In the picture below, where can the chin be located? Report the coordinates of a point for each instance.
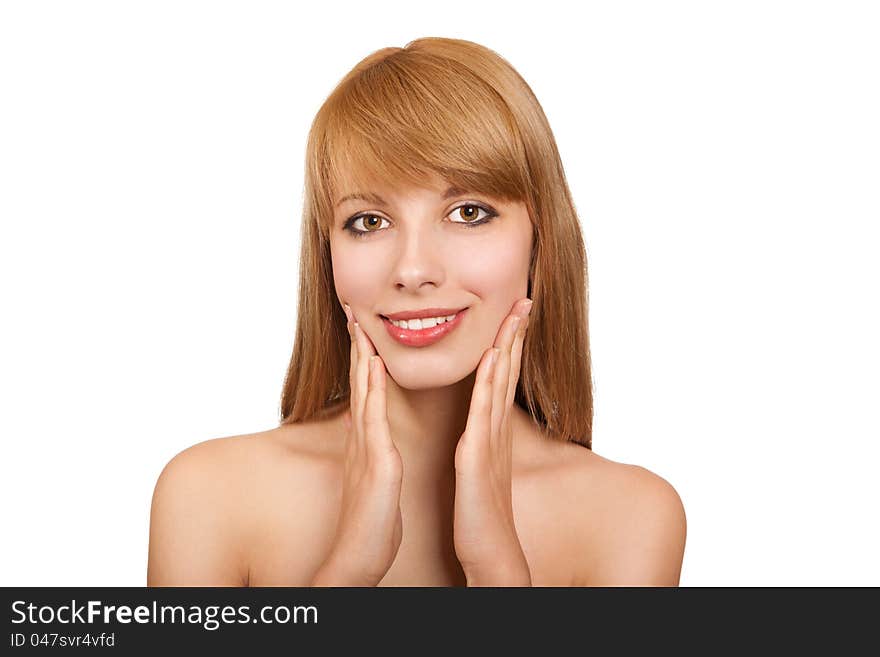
(417, 378)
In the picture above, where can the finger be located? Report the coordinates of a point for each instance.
(361, 374)
(352, 364)
(479, 420)
(353, 440)
(502, 374)
(516, 358)
(365, 350)
(375, 411)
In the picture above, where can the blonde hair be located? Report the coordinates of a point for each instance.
(457, 109)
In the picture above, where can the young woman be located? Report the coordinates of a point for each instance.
(436, 418)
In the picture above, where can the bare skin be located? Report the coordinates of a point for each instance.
(261, 510)
(501, 504)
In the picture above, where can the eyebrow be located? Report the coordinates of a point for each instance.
(378, 200)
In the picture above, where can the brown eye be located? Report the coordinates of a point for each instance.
(371, 221)
(372, 224)
(470, 212)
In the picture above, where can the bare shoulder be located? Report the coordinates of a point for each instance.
(212, 502)
(629, 523)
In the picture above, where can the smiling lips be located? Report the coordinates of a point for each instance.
(422, 337)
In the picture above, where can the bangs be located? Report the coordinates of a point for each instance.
(410, 117)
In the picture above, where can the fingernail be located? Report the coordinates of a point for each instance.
(347, 309)
(528, 306)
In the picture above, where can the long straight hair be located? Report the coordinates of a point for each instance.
(457, 109)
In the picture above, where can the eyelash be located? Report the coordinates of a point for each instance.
(473, 224)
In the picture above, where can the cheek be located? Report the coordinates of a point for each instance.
(486, 272)
(496, 270)
(357, 279)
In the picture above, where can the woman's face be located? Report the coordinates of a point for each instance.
(418, 251)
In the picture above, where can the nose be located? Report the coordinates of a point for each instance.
(419, 259)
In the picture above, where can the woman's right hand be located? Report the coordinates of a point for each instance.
(370, 525)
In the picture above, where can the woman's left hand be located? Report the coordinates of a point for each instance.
(486, 542)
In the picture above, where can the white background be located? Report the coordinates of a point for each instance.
(724, 159)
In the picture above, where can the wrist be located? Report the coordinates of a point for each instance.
(500, 574)
(332, 574)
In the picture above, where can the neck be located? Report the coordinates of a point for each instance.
(426, 425)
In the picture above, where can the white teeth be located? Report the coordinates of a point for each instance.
(418, 324)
